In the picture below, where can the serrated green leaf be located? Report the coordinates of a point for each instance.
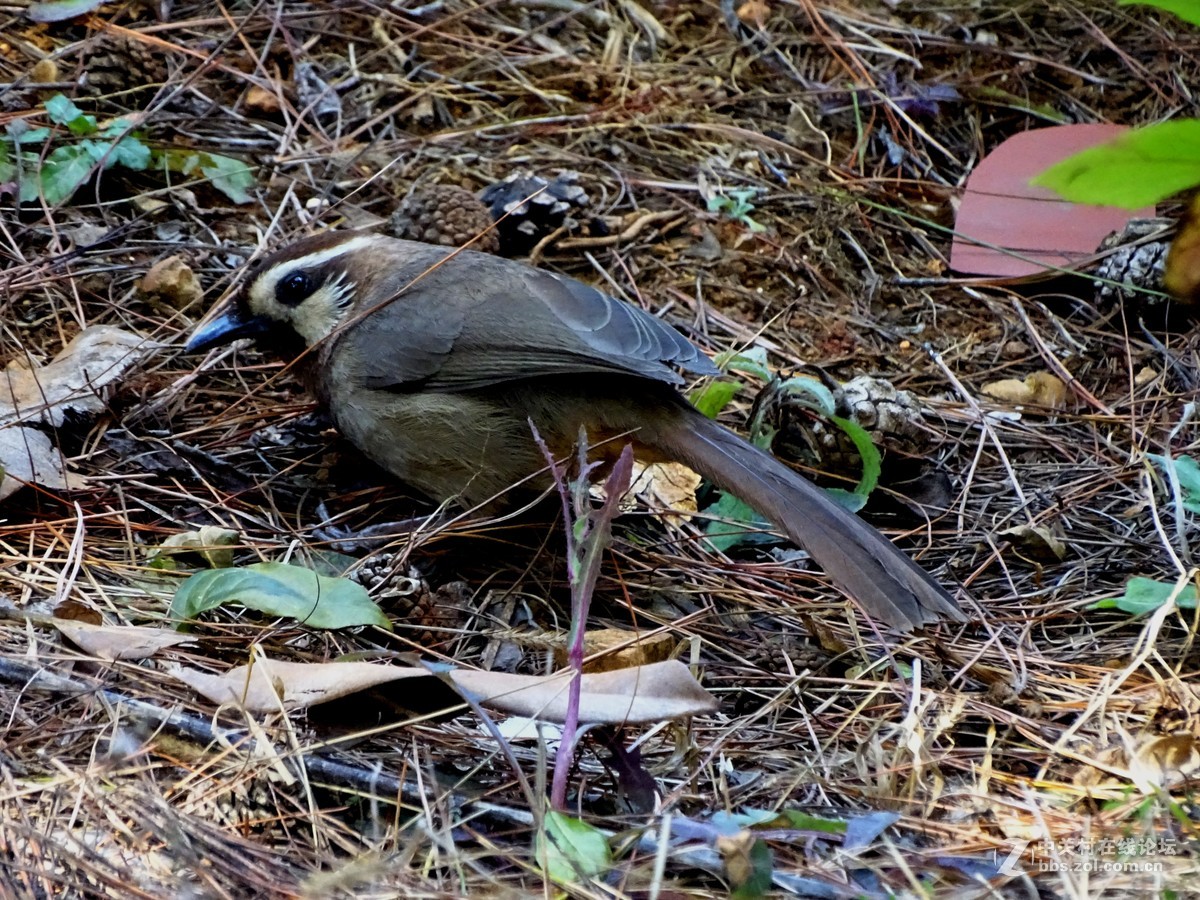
(30, 136)
(61, 174)
(714, 397)
(871, 460)
(99, 151)
(1137, 169)
(116, 128)
(812, 393)
(573, 849)
(231, 177)
(131, 153)
(279, 589)
(1145, 595)
(63, 112)
(1188, 10)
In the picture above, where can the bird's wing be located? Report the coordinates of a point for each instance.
(478, 321)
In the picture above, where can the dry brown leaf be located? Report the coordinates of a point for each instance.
(616, 649)
(78, 611)
(651, 693)
(268, 684)
(262, 100)
(29, 457)
(172, 281)
(1039, 389)
(670, 485)
(119, 641)
(754, 12)
(1038, 540)
(211, 543)
(1181, 275)
(1163, 762)
(1144, 376)
(71, 383)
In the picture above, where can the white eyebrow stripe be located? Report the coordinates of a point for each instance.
(312, 260)
(323, 256)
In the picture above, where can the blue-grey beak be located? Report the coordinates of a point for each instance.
(226, 328)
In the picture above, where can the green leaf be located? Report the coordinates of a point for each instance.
(757, 880)
(231, 177)
(62, 172)
(63, 112)
(1188, 10)
(871, 460)
(1139, 168)
(739, 526)
(806, 822)
(714, 397)
(752, 361)
(332, 563)
(1187, 471)
(99, 151)
(131, 153)
(573, 849)
(29, 136)
(1144, 595)
(278, 589)
(852, 501)
(812, 392)
(116, 128)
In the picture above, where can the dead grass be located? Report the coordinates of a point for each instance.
(1043, 727)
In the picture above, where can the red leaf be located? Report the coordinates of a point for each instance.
(1007, 227)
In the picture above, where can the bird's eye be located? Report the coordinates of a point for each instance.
(294, 288)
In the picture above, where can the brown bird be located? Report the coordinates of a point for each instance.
(433, 362)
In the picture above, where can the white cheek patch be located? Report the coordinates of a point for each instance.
(318, 315)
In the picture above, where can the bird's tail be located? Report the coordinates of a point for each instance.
(860, 560)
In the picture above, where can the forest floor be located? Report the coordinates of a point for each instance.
(772, 175)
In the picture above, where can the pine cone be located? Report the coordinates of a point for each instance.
(532, 207)
(120, 63)
(1136, 263)
(786, 652)
(444, 214)
(892, 417)
(427, 617)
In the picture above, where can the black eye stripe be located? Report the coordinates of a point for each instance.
(295, 287)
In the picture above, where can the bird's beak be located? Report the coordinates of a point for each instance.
(225, 328)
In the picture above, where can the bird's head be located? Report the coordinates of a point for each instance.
(295, 297)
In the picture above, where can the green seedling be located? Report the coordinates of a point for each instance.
(78, 146)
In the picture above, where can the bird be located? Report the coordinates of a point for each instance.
(435, 362)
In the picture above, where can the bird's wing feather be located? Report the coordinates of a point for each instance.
(507, 322)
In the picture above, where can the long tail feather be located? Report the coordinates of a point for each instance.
(860, 560)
